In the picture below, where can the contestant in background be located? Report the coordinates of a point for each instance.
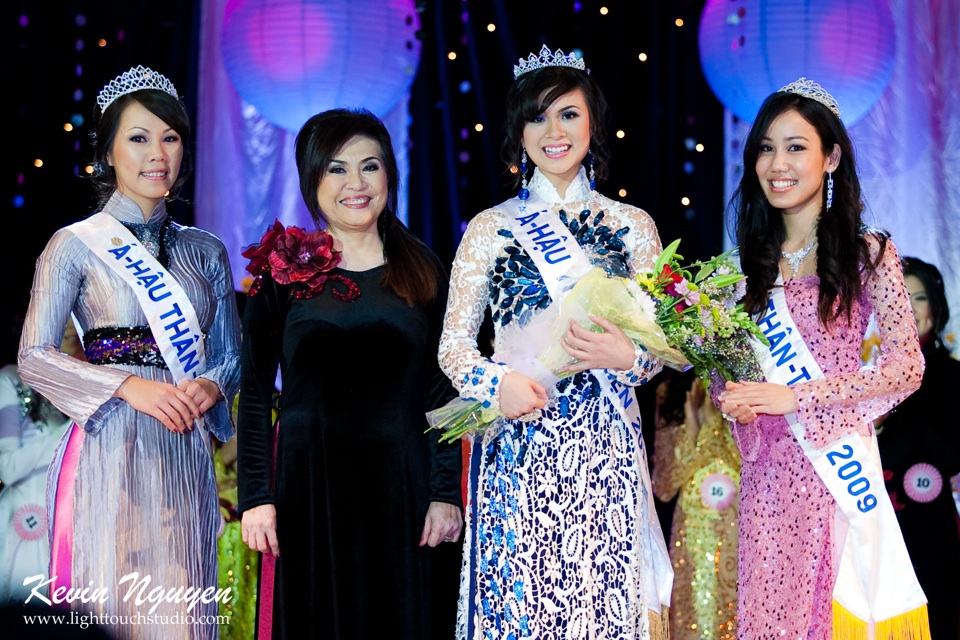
(30, 428)
(695, 456)
(920, 448)
(132, 485)
(811, 262)
(358, 494)
(563, 540)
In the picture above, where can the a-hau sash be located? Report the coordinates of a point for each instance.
(561, 261)
(876, 584)
(170, 314)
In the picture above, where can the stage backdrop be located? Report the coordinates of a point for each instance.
(266, 66)
(905, 123)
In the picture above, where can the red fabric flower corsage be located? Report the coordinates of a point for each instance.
(299, 259)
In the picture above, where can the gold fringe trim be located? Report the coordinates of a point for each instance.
(660, 624)
(847, 626)
(912, 625)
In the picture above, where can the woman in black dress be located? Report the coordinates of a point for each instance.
(920, 450)
(352, 315)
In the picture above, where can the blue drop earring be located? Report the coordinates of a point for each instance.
(829, 189)
(593, 173)
(524, 191)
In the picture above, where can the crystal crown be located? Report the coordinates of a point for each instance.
(135, 79)
(812, 90)
(547, 59)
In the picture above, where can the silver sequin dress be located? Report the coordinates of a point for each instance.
(144, 499)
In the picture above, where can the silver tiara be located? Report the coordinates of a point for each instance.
(547, 59)
(136, 79)
(812, 90)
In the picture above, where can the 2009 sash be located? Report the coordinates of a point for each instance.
(561, 261)
(875, 578)
(170, 314)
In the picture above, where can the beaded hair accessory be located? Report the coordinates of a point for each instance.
(812, 90)
(135, 79)
(547, 59)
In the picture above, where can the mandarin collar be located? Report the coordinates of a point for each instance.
(578, 191)
(127, 211)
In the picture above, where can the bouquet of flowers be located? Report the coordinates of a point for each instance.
(700, 314)
(686, 321)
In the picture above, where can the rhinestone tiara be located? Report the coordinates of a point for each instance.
(812, 90)
(547, 59)
(135, 79)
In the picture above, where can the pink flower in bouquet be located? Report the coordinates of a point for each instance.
(681, 291)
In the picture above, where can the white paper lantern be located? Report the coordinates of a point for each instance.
(751, 48)
(292, 59)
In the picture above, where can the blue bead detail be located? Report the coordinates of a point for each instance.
(518, 592)
(516, 286)
(524, 194)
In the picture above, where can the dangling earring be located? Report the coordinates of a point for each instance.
(524, 192)
(593, 173)
(829, 189)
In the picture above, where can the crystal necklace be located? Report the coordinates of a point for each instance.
(794, 259)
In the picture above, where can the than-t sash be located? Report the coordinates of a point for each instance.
(170, 314)
(875, 578)
(561, 262)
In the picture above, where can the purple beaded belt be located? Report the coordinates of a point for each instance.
(122, 345)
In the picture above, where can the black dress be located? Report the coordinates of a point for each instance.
(925, 430)
(355, 472)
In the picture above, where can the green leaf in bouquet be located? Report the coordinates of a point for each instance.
(705, 270)
(666, 256)
(727, 280)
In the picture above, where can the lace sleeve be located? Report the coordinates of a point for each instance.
(474, 377)
(898, 372)
(643, 243)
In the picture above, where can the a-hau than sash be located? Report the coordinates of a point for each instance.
(561, 261)
(877, 593)
(170, 314)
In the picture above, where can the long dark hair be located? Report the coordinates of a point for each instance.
(159, 103)
(411, 268)
(533, 92)
(932, 282)
(843, 253)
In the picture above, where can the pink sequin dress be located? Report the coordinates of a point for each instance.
(787, 567)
